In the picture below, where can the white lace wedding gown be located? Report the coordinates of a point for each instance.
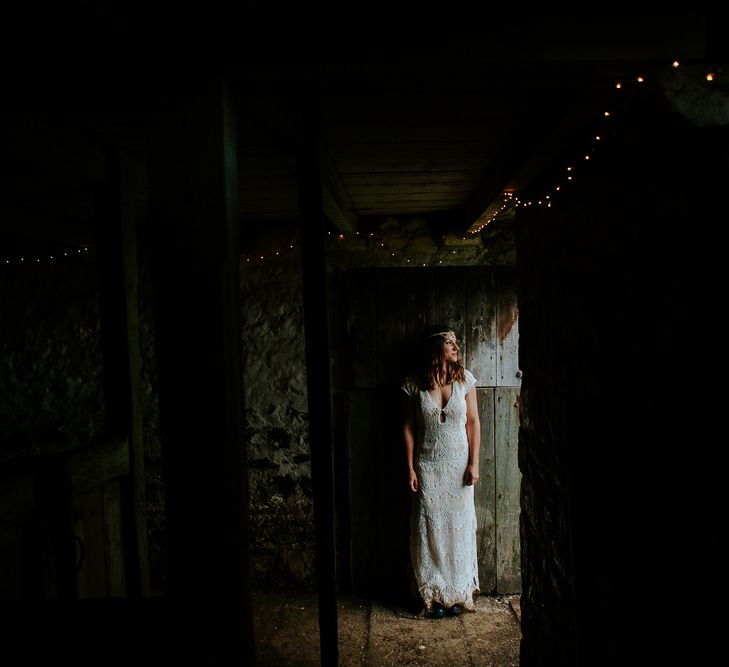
(443, 522)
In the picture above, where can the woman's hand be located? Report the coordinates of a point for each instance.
(413, 482)
(470, 477)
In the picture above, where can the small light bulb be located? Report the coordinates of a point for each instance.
(640, 79)
(587, 157)
(618, 85)
(675, 63)
(607, 113)
(597, 137)
(569, 168)
(710, 76)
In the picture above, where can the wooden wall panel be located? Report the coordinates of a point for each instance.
(363, 484)
(379, 500)
(485, 495)
(481, 301)
(391, 327)
(361, 327)
(450, 301)
(508, 481)
(384, 309)
(113, 540)
(507, 331)
(419, 300)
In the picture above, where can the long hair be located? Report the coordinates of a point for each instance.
(429, 371)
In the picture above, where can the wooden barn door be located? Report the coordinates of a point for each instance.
(374, 314)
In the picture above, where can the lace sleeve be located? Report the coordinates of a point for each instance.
(470, 380)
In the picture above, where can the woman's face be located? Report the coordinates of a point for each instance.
(450, 347)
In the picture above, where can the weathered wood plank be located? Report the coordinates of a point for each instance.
(508, 483)
(410, 187)
(423, 179)
(507, 330)
(418, 302)
(414, 195)
(383, 163)
(17, 497)
(90, 530)
(362, 329)
(391, 327)
(403, 208)
(480, 327)
(113, 540)
(429, 131)
(343, 151)
(449, 287)
(363, 487)
(485, 495)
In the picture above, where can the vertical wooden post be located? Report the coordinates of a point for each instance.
(193, 187)
(119, 280)
(311, 217)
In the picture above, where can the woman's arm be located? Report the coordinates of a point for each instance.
(408, 433)
(473, 432)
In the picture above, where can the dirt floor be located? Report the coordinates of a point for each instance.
(377, 635)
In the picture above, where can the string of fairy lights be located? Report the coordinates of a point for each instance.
(35, 257)
(509, 200)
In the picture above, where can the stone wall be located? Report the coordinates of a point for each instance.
(276, 424)
(50, 356)
(51, 388)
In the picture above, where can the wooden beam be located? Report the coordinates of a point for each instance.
(196, 261)
(316, 328)
(119, 281)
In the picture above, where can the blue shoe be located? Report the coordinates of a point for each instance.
(455, 610)
(437, 612)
